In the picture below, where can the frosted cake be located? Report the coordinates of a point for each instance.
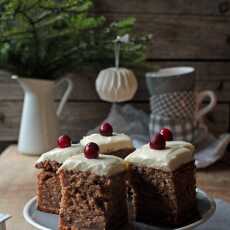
(48, 184)
(88, 199)
(117, 144)
(162, 176)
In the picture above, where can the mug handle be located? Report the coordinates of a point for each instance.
(64, 99)
(200, 98)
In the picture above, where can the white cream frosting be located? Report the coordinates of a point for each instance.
(108, 144)
(104, 165)
(172, 157)
(61, 154)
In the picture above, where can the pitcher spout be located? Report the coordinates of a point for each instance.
(22, 82)
(33, 85)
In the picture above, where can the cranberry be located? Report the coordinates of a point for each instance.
(91, 150)
(157, 141)
(64, 141)
(106, 129)
(167, 134)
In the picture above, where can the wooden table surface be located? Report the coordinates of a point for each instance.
(17, 184)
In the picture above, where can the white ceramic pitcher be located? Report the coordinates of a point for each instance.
(39, 122)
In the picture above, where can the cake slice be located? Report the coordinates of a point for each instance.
(48, 184)
(163, 182)
(117, 144)
(93, 192)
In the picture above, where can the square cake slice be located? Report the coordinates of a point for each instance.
(93, 193)
(119, 145)
(48, 183)
(163, 183)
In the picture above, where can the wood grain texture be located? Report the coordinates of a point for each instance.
(18, 178)
(17, 186)
(182, 36)
(79, 117)
(210, 75)
(181, 29)
(179, 7)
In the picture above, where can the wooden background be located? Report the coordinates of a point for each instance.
(193, 33)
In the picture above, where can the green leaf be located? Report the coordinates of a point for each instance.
(42, 37)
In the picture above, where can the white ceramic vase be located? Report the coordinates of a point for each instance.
(39, 128)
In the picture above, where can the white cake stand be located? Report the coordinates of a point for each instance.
(46, 221)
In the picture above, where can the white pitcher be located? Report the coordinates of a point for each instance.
(39, 122)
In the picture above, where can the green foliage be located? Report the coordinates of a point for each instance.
(40, 38)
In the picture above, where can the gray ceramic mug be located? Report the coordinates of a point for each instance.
(175, 103)
(173, 79)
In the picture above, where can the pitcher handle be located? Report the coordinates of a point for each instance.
(200, 97)
(66, 94)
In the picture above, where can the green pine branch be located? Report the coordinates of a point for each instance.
(40, 38)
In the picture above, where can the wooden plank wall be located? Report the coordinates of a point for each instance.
(192, 33)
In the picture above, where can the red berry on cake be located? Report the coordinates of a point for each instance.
(106, 129)
(157, 141)
(91, 150)
(64, 141)
(167, 134)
